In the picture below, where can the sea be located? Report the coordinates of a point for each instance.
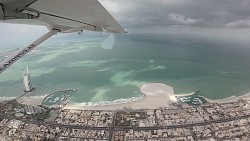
(107, 68)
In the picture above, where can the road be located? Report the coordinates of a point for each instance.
(113, 128)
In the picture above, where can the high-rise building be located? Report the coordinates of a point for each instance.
(27, 82)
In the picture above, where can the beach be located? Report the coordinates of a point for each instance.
(31, 100)
(155, 95)
(229, 99)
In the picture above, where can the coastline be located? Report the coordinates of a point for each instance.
(31, 100)
(154, 95)
(229, 99)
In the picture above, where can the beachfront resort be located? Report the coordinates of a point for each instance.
(172, 120)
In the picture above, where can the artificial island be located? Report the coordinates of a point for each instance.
(159, 115)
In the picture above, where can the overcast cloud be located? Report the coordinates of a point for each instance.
(214, 19)
(204, 13)
(225, 18)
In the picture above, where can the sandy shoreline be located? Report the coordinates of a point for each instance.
(31, 100)
(155, 95)
(229, 99)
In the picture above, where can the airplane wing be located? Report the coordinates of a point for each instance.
(65, 15)
(59, 16)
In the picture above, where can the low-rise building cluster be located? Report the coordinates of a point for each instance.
(186, 116)
(17, 130)
(236, 129)
(81, 134)
(173, 134)
(213, 121)
(85, 118)
(14, 109)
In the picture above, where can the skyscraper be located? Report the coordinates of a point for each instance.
(27, 82)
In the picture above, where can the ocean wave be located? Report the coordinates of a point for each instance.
(105, 103)
(186, 94)
(228, 98)
(227, 72)
(240, 96)
(6, 98)
(38, 96)
(244, 95)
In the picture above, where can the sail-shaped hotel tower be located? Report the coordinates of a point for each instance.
(27, 82)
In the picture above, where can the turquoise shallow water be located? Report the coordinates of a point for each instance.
(218, 69)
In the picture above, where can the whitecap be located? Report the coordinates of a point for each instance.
(114, 102)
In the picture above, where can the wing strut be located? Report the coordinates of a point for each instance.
(20, 53)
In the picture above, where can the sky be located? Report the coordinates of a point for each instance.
(197, 13)
(223, 19)
(218, 19)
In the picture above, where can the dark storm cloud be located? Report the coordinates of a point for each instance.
(201, 13)
(225, 19)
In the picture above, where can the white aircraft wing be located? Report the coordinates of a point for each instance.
(59, 16)
(65, 15)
